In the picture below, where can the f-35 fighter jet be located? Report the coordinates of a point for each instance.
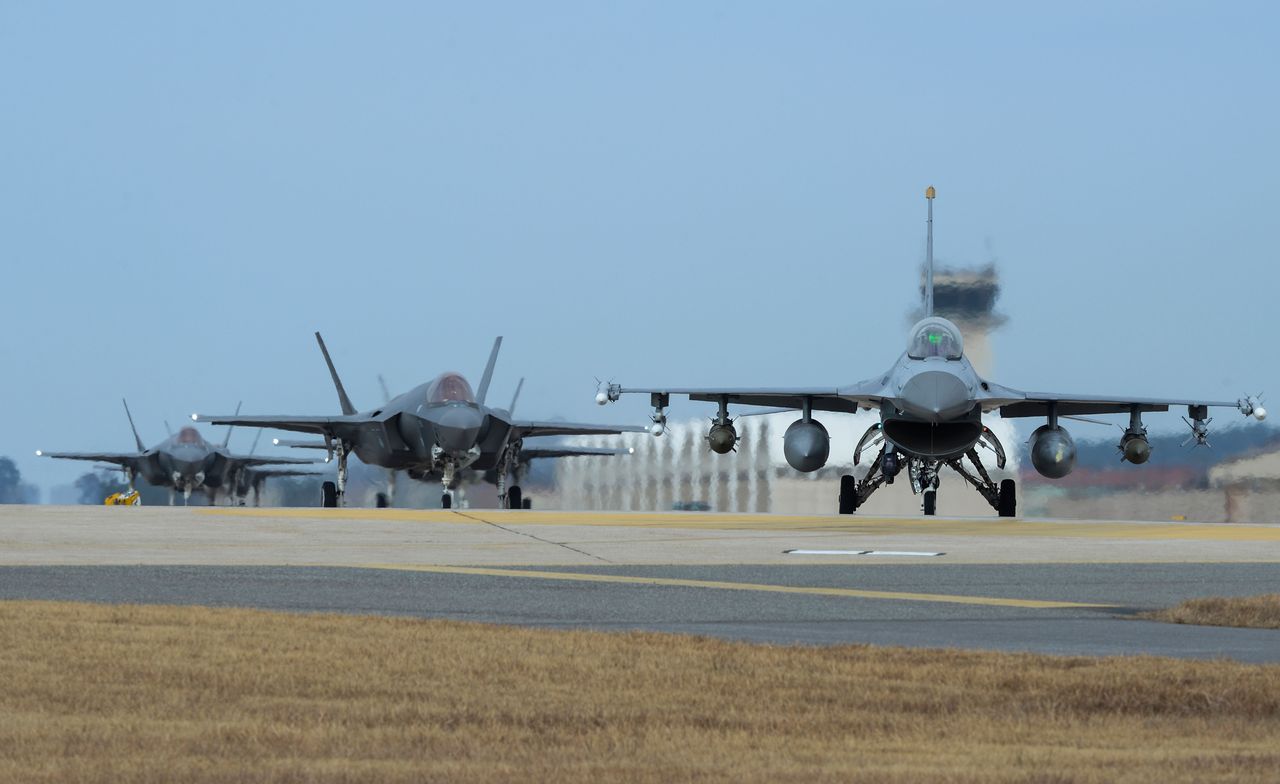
(514, 496)
(931, 404)
(435, 430)
(183, 462)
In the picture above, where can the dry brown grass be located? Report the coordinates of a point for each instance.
(1253, 612)
(141, 694)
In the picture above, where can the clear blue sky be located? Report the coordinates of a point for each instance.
(685, 193)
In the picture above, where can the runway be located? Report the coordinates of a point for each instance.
(1047, 586)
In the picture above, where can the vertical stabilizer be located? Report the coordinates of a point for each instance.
(515, 397)
(929, 193)
(227, 441)
(488, 371)
(136, 438)
(343, 400)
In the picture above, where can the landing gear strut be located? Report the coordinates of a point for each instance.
(923, 474)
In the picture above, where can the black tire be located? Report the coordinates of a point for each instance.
(1008, 505)
(526, 503)
(848, 494)
(446, 501)
(381, 501)
(328, 495)
(514, 497)
(930, 503)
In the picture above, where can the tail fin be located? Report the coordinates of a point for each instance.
(343, 400)
(515, 397)
(386, 393)
(136, 438)
(929, 193)
(226, 441)
(488, 371)
(254, 448)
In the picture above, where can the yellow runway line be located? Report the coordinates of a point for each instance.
(852, 593)
(1214, 532)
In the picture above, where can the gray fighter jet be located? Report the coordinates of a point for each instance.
(183, 462)
(515, 499)
(435, 430)
(931, 403)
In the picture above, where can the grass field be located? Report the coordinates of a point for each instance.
(1254, 612)
(133, 694)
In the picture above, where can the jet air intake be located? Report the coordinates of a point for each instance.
(1053, 453)
(806, 445)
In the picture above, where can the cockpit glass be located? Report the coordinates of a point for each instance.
(188, 435)
(935, 338)
(448, 388)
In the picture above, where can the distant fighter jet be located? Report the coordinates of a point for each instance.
(436, 429)
(183, 462)
(931, 404)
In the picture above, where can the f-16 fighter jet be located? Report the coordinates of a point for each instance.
(183, 462)
(435, 430)
(931, 404)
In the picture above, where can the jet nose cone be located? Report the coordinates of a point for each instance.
(936, 395)
(457, 428)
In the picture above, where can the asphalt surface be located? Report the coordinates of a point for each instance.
(1081, 609)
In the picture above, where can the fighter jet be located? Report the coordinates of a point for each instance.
(493, 476)
(931, 404)
(436, 429)
(182, 462)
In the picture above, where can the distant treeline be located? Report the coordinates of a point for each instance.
(12, 489)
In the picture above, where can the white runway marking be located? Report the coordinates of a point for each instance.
(906, 553)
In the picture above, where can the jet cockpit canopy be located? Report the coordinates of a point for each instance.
(935, 337)
(450, 388)
(188, 435)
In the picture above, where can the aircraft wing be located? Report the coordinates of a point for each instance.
(533, 453)
(299, 424)
(115, 458)
(261, 460)
(847, 399)
(1036, 404)
(524, 428)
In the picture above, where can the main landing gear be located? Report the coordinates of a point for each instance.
(923, 473)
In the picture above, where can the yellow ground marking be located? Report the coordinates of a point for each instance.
(1216, 532)
(731, 586)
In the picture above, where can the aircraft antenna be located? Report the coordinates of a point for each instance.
(929, 193)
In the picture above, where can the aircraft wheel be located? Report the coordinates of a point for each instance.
(446, 501)
(381, 501)
(514, 497)
(526, 503)
(848, 494)
(1008, 506)
(328, 495)
(930, 502)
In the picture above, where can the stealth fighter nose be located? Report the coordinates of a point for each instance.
(936, 395)
(457, 428)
